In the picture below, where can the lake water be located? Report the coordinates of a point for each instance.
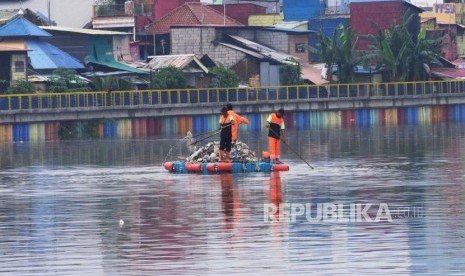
(107, 207)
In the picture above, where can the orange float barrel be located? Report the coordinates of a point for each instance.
(280, 167)
(168, 166)
(193, 167)
(219, 167)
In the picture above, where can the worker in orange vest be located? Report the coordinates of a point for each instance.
(226, 123)
(237, 121)
(275, 125)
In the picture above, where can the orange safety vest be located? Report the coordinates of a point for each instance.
(237, 120)
(276, 124)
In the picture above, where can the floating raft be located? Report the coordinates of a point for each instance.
(217, 167)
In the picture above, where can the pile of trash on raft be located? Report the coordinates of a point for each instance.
(240, 152)
(205, 160)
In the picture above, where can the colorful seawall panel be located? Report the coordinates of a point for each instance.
(143, 127)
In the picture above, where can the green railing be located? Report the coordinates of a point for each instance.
(46, 101)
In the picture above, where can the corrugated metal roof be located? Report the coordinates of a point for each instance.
(293, 25)
(288, 30)
(245, 51)
(82, 31)
(45, 78)
(46, 56)
(312, 74)
(178, 61)
(21, 27)
(449, 73)
(265, 51)
(120, 66)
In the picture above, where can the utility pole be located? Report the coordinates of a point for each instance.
(48, 11)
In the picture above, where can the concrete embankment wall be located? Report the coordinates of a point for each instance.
(198, 123)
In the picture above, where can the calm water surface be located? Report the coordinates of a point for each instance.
(107, 207)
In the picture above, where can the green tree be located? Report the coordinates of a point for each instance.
(339, 50)
(399, 53)
(66, 80)
(347, 56)
(224, 77)
(111, 83)
(424, 53)
(290, 74)
(327, 51)
(168, 78)
(21, 86)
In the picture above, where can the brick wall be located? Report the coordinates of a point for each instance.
(276, 40)
(200, 41)
(302, 42)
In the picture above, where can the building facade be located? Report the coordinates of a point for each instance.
(69, 13)
(382, 13)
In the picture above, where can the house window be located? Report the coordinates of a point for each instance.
(19, 66)
(300, 48)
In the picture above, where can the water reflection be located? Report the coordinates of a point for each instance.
(229, 200)
(275, 192)
(108, 208)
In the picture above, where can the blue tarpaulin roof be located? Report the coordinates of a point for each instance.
(21, 27)
(46, 56)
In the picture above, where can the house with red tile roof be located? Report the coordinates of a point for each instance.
(191, 14)
(252, 52)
